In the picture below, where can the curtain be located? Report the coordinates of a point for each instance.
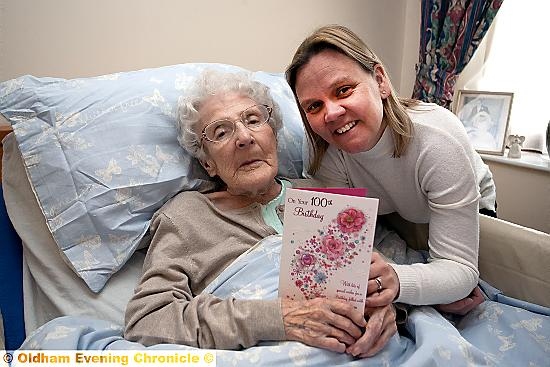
(451, 30)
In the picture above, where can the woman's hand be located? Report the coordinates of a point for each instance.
(381, 326)
(325, 323)
(465, 305)
(383, 285)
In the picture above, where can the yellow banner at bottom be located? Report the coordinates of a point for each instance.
(116, 358)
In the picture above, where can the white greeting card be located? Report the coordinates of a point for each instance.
(327, 245)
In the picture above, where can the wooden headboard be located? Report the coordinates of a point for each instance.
(5, 129)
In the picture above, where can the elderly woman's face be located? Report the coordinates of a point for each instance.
(247, 161)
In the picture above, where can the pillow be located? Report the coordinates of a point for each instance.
(102, 156)
(50, 288)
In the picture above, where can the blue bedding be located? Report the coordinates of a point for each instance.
(494, 334)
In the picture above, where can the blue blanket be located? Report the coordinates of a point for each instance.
(494, 334)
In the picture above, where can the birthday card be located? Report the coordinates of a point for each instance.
(327, 245)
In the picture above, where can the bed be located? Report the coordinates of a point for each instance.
(91, 159)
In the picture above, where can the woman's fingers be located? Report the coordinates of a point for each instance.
(326, 323)
(318, 335)
(349, 316)
(388, 330)
(383, 298)
(465, 305)
(381, 341)
(380, 327)
(383, 284)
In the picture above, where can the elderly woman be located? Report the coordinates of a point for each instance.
(230, 124)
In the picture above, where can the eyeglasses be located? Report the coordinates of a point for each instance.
(252, 118)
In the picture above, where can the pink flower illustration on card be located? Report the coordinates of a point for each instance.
(351, 220)
(333, 247)
(307, 259)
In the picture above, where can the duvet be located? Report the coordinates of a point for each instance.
(499, 332)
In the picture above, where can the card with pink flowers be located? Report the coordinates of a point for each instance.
(327, 246)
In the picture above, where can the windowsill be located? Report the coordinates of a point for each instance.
(531, 160)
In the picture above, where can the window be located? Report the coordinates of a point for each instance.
(513, 58)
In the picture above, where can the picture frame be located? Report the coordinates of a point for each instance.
(485, 116)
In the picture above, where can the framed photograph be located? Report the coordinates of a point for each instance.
(485, 116)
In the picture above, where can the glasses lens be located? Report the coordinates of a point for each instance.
(255, 116)
(219, 130)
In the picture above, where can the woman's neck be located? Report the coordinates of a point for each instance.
(226, 200)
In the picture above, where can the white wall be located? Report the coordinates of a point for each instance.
(523, 195)
(77, 38)
(411, 41)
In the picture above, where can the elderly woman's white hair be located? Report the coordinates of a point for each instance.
(211, 83)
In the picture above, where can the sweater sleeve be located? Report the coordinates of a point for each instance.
(448, 180)
(165, 310)
(486, 184)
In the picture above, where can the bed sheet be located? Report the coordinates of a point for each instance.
(494, 334)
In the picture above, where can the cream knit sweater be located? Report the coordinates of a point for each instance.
(439, 180)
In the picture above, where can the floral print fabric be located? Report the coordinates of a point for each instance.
(450, 33)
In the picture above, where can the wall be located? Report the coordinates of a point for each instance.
(77, 38)
(411, 41)
(523, 194)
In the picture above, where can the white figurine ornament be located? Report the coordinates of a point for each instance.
(515, 142)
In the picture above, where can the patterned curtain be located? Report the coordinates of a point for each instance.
(451, 31)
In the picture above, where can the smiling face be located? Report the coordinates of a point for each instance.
(247, 161)
(343, 102)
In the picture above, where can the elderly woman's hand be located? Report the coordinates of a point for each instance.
(383, 285)
(325, 323)
(381, 326)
